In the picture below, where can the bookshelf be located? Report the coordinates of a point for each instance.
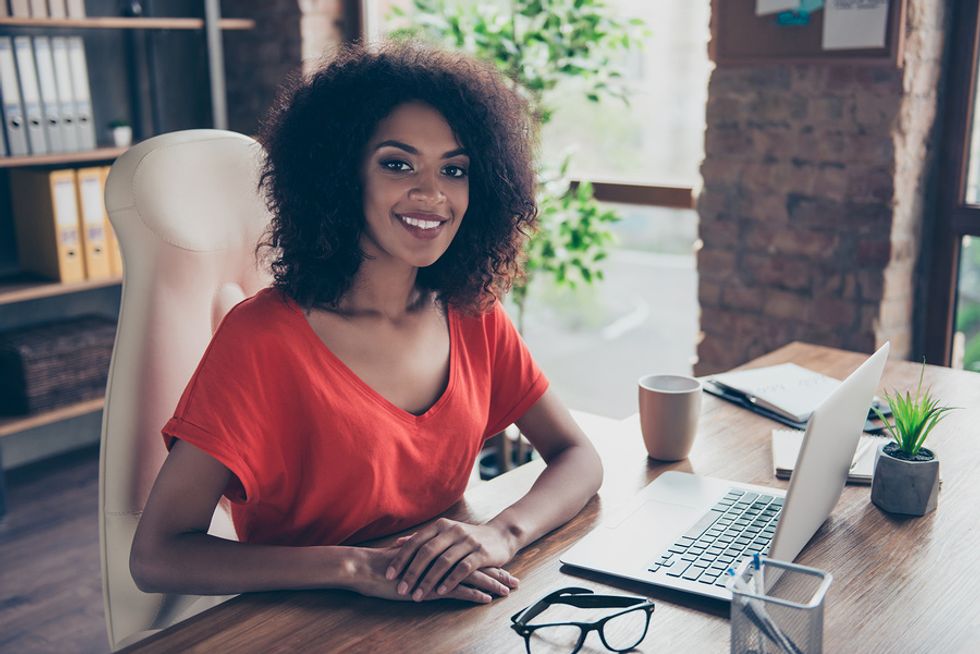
(114, 23)
(46, 298)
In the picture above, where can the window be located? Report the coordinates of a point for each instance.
(595, 342)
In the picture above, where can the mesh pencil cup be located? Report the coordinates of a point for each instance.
(784, 618)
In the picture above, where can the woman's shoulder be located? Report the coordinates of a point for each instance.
(266, 313)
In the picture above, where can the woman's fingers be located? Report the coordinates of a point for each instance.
(409, 547)
(424, 556)
(458, 562)
(482, 580)
(501, 575)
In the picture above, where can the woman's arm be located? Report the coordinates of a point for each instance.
(172, 551)
(455, 549)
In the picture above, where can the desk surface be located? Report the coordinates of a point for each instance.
(905, 585)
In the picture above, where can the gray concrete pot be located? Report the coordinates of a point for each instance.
(907, 487)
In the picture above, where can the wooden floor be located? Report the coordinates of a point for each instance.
(50, 582)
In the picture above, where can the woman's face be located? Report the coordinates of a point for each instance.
(416, 186)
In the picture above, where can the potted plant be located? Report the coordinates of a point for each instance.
(122, 133)
(906, 474)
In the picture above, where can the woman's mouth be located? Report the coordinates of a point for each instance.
(421, 227)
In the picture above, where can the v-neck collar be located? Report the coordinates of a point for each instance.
(337, 363)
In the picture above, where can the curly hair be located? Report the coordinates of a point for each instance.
(315, 136)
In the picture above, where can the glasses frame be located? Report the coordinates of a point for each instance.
(581, 598)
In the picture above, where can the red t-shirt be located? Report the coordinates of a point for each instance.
(319, 457)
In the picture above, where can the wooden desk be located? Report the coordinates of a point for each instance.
(900, 585)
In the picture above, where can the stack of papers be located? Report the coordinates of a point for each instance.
(786, 393)
(786, 444)
(788, 390)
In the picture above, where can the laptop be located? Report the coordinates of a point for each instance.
(684, 531)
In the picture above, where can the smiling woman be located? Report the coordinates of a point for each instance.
(350, 400)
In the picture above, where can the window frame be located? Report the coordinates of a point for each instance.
(954, 218)
(653, 195)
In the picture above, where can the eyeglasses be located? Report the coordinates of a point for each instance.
(619, 632)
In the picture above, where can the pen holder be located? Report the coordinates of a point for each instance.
(784, 618)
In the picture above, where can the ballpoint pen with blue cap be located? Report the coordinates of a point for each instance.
(758, 616)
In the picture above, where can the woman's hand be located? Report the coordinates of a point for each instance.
(444, 554)
(370, 564)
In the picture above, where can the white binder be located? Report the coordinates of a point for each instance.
(20, 8)
(13, 111)
(84, 123)
(76, 8)
(57, 9)
(49, 94)
(62, 77)
(39, 8)
(30, 95)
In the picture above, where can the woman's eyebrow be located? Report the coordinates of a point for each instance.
(411, 150)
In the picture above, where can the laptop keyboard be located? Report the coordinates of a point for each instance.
(739, 525)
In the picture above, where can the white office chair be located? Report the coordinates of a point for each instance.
(187, 214)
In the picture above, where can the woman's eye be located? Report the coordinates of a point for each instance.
(455, 171)
(395, 164)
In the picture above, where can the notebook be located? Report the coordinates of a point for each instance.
(786, 445)
(788, 390)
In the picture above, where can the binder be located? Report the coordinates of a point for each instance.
(50, 104)
(115, 252)
(66, 97)
(93, 223)
(84, 123)
(30, 95)
(76, 8)
(39, 8)
(13, 110)
(20, 8)
(57, 9)
(45, 207)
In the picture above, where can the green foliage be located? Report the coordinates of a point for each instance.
(913, 418)
(538, 44)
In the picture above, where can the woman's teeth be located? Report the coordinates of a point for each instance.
(422, 224)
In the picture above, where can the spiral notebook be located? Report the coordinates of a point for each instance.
(786, 445)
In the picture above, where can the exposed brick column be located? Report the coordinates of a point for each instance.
(288, 36)
(815, 178)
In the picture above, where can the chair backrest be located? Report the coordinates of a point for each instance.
(187, 214)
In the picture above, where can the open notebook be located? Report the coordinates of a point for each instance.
(786, 445)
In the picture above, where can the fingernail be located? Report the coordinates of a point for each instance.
(442, 590)
(504, 590)
(418, 595)
(402, 588)
(390, 573)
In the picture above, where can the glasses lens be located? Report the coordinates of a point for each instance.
(557, 639)
(625, 631)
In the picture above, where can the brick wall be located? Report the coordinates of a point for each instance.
(288, 35)
(815, 186)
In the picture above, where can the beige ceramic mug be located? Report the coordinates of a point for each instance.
(669, 408)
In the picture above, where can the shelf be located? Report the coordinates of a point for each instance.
(23, 287)
(115, 23)
(15, 424)
(101, 154)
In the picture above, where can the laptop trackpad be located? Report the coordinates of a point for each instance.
(657, 523)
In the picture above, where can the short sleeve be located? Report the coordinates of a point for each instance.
(219, 413)
(517, 383)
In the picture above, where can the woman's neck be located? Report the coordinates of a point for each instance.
(381, 289)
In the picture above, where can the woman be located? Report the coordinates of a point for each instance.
(350, 400)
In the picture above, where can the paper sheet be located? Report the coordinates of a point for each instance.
(763, 7)
(854, 24)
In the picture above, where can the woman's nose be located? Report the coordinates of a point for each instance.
(428, 188)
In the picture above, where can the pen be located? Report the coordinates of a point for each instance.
(759, 617)
(759, 590)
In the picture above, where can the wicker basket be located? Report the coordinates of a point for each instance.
(54, 364)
